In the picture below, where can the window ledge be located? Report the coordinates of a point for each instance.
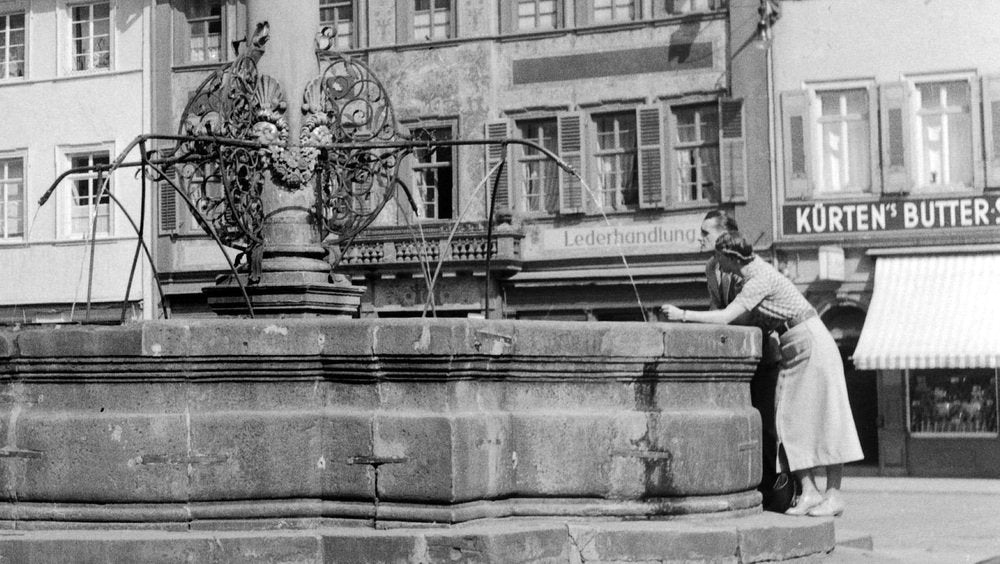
(67, 77)
(195, 67)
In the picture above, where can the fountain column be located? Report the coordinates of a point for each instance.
(295, 277)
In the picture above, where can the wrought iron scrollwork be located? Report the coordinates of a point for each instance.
(235, 103)
(347, 105)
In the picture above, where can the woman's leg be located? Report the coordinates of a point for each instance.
(833, 499)
(809, 495)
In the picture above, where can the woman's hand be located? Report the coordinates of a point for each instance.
(673, 313)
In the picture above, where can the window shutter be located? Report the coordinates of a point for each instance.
(991, 119)
(732, 151)
(650, 156)
(494, 155)
(584, 12)
(874, 146)
(508, 16)
(168, 203)
(796, 133)
(404, 21)
(895, 119)
(571, 151)
(978, 159)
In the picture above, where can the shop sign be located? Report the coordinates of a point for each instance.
(672, 235)
(897, 215)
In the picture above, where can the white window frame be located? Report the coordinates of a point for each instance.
(336, 24)
(190, 20)
(524, 160)
(25, 228)
(816, 118)
(916, 137)
(677, 146)
(601, 192)
(685, 7)
(433, 11)
(5, 34)
(535, 15)
(419, 188)
(66, 204)
(634, 7)
(69, 46)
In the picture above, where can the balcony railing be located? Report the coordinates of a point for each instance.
(403, 248)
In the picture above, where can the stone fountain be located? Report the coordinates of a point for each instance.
(302, 435)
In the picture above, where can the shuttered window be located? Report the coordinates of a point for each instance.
(696, 152)
(538, 174)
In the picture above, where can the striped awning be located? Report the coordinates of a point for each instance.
(939, 311)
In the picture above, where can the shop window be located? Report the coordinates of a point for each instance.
(615, 161)
(696, 152)
(953, 401)
(88, 205)
(844, 136)
(425, 20)
(11, 198)
(433, 175)
(90, 26)
(943, 135)
(537, 174)
(204, 22)
(12, 45)
(339, 15)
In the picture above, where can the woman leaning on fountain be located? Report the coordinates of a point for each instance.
(813, 416)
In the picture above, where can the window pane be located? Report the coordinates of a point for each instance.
(80, 30)
(81, 13)
(17, 37)
(442, 4)
(423, 5)
(102, 11)
(15, 168)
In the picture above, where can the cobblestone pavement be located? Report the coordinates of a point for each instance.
(923, 521)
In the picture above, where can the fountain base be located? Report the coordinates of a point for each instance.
(285, 294)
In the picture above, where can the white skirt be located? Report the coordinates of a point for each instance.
(812, 413)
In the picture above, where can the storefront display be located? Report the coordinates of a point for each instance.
(953, 401)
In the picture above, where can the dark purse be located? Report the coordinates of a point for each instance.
(779, 497)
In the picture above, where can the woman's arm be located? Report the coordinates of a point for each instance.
(720, 316)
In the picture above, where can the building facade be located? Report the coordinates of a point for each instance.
(75, 91)
(887, 151)
(636, 96)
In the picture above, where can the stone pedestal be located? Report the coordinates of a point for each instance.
(285, 294)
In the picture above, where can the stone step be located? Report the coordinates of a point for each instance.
(762, 537)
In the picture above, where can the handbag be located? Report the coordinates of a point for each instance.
(779, 496)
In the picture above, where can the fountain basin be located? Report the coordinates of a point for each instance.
(375, 422)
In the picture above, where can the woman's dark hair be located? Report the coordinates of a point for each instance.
(723, 220)
(733, 244)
